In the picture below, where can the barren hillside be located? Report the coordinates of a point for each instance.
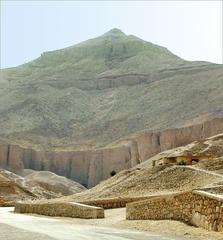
(36, 185)
(143, 179)
(100, 90)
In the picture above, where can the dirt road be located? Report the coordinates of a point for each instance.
(28, 227)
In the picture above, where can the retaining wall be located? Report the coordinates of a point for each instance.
(66, 209)
(197, 208)
(113, 202)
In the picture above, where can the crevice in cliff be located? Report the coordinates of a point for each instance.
(31, 157)
(158, 136)
(88, 171)
(202, 131)
(130, 153)
(158, 139)
(27, 158)
(102, 156)
(42, 167)
(7, 156)
(69, 168)
(138, 160)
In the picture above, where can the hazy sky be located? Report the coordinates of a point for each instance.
(190, 29)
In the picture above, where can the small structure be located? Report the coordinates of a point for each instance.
(180, 160)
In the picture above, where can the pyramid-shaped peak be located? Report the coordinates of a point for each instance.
(114, 32)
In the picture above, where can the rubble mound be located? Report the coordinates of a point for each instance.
(55, 183)
(14, 187)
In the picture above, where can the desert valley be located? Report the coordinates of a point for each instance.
(115, 135)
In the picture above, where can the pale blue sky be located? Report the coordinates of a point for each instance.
(190, 29)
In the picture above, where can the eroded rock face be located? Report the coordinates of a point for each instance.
(4, 155)
(16, 157)
(148, 145)
(92, 166)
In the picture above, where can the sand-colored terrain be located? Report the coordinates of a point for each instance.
(36, 185)
(115, 218)
(104, 89)
(144, 179)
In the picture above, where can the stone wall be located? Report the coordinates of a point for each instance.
(113, 202)
(65, 209)
(92, 166)
(198, 208)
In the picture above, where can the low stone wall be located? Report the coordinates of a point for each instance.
(197, 208)
(112, 202)
(65, 209)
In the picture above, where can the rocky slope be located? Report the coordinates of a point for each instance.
(104, 89)
(9, 191)
(54, 183)
(34, 186)
(143, 179)
(89, 167)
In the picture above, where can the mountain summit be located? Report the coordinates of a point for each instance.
(102, 89)
(112, 53)
(114, 32)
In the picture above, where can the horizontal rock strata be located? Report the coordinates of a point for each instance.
(92, 166)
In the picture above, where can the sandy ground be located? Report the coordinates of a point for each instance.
(12, 233)
(115, 218)
(173, 228)
(15, 226)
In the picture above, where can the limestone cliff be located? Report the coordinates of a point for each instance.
(92, 166)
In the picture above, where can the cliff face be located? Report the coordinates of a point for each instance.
(92, 166)
(86, 167)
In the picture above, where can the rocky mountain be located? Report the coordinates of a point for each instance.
(103, 89)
